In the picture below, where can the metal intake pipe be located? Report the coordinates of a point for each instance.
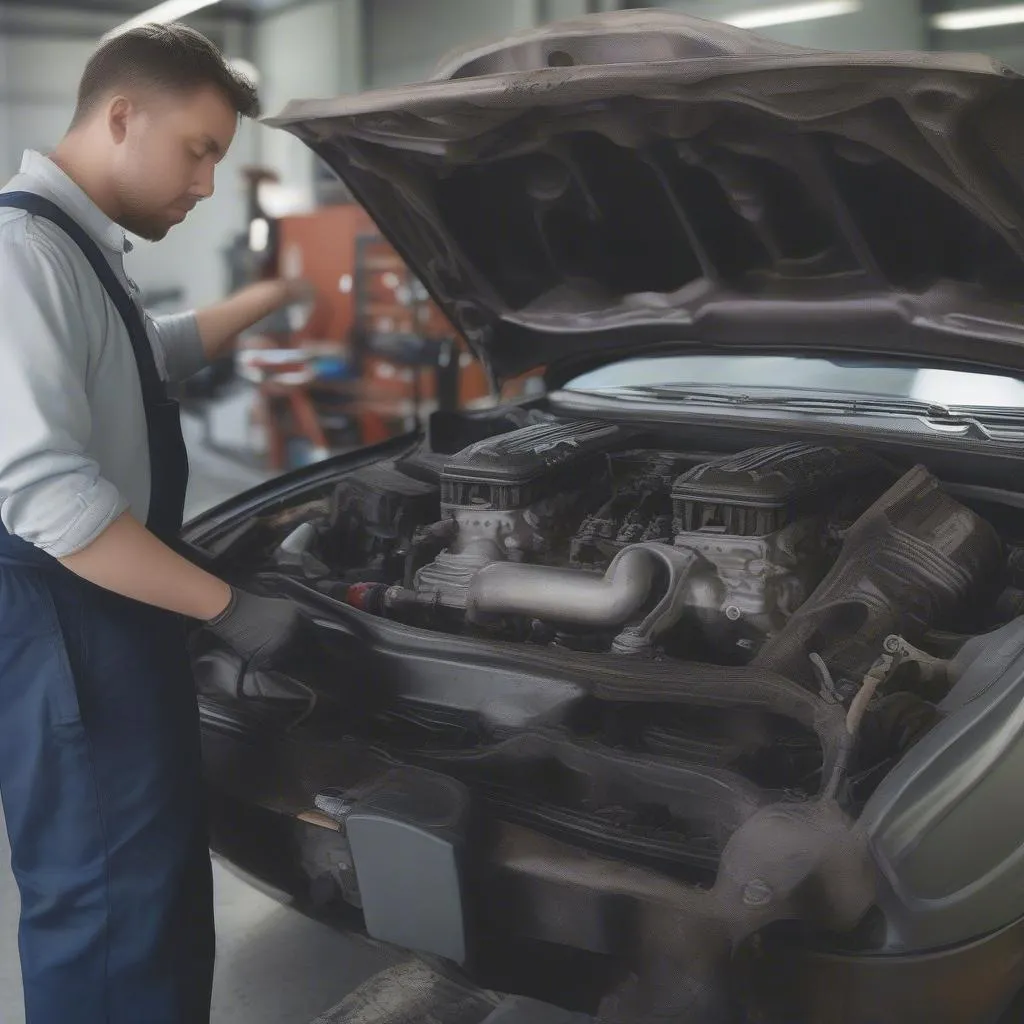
(617, 599)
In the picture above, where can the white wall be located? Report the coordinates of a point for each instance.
(406, 38)
(879, 25)
(5, 115)
(559, 10)
(38, 83)
(310, 52)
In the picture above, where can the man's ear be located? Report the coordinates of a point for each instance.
(119, 110)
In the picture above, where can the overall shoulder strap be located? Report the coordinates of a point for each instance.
(153, 391)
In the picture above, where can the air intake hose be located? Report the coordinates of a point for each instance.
(619, 599)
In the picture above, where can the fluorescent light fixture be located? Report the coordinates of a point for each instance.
(168, 11)
(762, 17)
(979, 17)
(259, 235)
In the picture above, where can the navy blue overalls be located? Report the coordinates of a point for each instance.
(100, 759)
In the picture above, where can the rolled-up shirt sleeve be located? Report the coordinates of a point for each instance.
(180, 346)
(52, 492)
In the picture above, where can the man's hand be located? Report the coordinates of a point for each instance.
(255, 627)
(129, 560)
(221, 323)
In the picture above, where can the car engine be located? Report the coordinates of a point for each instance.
(576, 535)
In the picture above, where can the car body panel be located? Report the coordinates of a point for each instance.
(673, 181)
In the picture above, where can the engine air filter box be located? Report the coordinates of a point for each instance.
(514, 470)
(761, 490)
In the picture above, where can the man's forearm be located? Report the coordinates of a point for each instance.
(129, 560)
(221, 323)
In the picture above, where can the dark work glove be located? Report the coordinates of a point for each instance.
(256, 627)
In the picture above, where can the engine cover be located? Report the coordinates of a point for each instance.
(761, 490)
(759, 519)
(515, 497)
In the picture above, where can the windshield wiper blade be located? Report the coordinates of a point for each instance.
(813, 401)
(975, 422)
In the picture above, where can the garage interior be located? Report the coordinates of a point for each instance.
(374, 355)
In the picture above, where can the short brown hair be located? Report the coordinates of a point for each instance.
(172, 57)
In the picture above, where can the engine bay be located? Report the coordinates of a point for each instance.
(652, 575)
(681, 660)
(574, 535)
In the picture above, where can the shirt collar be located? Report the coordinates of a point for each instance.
(46, 178)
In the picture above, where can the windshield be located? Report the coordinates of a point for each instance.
(781, 374)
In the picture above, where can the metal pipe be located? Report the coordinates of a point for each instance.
(585, 599)
(555, 594)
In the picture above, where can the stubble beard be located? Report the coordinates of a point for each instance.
(148, 227)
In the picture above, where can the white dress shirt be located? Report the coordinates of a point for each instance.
(73, 445)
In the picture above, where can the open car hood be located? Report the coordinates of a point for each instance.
(645, 179)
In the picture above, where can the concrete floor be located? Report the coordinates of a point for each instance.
(274, 966)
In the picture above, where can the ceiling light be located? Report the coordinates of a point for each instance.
(170, 10)
(259, 235)
(764, 16)
(979, 17)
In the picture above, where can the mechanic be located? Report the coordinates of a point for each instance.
(99, 734)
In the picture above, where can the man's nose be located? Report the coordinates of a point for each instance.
(202, 187)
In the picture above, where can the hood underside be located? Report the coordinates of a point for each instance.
(643, 179)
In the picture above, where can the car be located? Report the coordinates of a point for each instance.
(693, 686)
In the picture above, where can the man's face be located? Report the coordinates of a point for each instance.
(166, 150)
